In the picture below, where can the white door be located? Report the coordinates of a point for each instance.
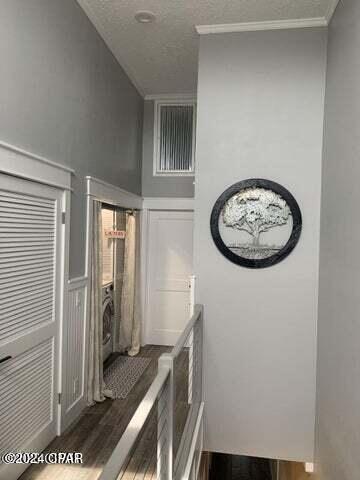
(170, 265)
(30, 279)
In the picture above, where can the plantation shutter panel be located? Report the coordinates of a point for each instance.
(27, 252)
(26, 387)
(30, 282)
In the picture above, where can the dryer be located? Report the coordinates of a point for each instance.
(108, 320)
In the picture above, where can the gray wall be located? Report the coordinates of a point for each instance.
(260, 114)
(338, 417)
(159, 186)
(64, 96)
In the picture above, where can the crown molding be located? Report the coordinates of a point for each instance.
(258, 26)
(331, 10)
(171, 96)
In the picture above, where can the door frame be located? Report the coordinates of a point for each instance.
(27, 166)
(150, 204)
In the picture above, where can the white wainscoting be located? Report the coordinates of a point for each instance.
(73, 396)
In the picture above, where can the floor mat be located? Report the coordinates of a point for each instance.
(123, 373)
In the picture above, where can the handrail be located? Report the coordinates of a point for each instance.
(188, 467)
(162, 391)
(132, 432)
(183, 337)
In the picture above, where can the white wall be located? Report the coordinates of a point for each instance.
(260, 114)
(338, 406)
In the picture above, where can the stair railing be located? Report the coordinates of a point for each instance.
(175, 402)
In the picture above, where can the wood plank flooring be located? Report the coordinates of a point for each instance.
(99, 429)
(234, 467)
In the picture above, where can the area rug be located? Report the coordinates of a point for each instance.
(123, 373)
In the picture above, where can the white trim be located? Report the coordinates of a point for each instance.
(331, 10)
(144, 274)
(108, 193)
(20, 163)
(158, 104)
(89, 213)
(174, 173)
(144, 259)
(65, 242)
(71, 412)
(266, 25)
(25, 153)
(77, 282)
(172, 96)
(168, 203)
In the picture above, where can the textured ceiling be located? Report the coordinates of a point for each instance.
(161, 57)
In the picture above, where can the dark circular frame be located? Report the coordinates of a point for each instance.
(287, 248)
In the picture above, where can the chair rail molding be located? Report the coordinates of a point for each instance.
(21, 163)
(168, 203)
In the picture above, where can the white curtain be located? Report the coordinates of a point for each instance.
(120, 223)
(130, 308)
(96, 391)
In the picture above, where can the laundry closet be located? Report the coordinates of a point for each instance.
(115, 277)
(120, 258)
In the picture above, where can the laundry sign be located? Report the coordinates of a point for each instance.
(121, 234)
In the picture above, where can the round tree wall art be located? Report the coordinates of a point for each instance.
(256, 223)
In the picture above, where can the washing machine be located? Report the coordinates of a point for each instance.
(108, 320)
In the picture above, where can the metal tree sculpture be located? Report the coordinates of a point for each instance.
(256, 210)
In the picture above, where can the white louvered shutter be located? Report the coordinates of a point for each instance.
(30, 252)
(27, 253)
(26, 389)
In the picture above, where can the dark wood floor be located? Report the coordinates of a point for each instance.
(234, 467)
(99, 429)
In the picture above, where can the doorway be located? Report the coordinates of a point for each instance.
(121, 367)
(170, 266)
